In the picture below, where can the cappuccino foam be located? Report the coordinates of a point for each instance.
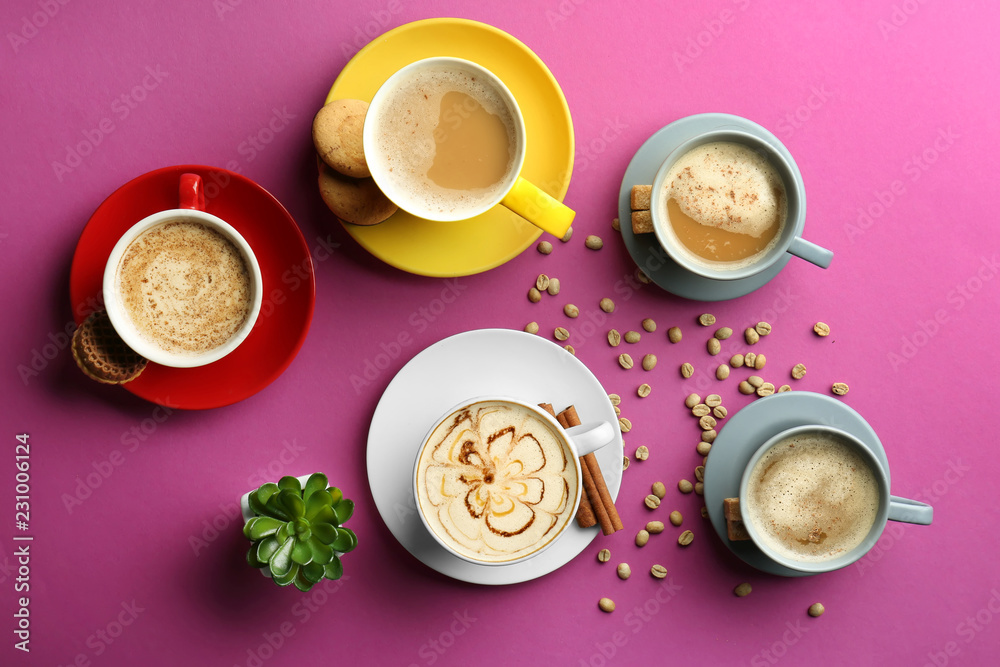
(812, 498)
(185, 287)
(413, 121)
(495, 482)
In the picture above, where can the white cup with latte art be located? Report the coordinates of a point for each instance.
(498, 480)
(815, 499)
(182, 287)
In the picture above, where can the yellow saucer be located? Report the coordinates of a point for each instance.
(471, 246)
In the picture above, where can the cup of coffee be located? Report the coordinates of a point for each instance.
(445, 140)
(182, 287)
(727, 205)
(816, 499)
(497, 480)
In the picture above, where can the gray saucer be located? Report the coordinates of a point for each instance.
(646, 251)
(747, 430)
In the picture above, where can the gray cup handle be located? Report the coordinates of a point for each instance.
(811, 252)
(910, 511)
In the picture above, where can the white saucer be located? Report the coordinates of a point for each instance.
(477, 363)
(644, 248)
(750, 428)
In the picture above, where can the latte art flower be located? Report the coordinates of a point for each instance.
(496, 481)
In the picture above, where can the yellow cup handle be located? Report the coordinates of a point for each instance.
(539, 208)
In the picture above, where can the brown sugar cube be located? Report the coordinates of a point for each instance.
(641, 195)
(642, 222)
(736, 531)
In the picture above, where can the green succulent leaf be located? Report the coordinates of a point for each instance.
(316, 482)
(275, 508)
(287, 577)
(326, 515)
(315, 502)
(252, 559)
(281, 561)
(321, 553)
(324, 532)
(266, 491)
(302, 583)
(284, 532)
(292, 502)
(266, 548)
(336, 494)
(346, 540)
(255, 503)
(313, 572)
(334, 569)
(344, 509)
(262, 526)
(301, 553)
(289, 483)
(248, 526)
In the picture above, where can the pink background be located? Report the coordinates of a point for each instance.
(864, 94)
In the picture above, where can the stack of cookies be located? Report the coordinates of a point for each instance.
(345, 183)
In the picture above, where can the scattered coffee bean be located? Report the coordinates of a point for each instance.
(720, 412)
(692, 400)
(742, 590)
(736, 361)
(709, 436)
(704, 512)
(615, 399)
(701, 410)
(685, 538)
(840, 388)
(625, 361)
(641, 453)
(534, 296)
(652, 502)
(658, 571)
(607, 305)
(765, 389)
(649, 362)
(676, 518)
(762, 328)
(570, 349)
(714, 346)
(642, 538)
(567, 236)
(723, 333)
(799, 371)
(699, 488)
(649, 325)
(751, 336)
(542, 282)
(624, 424)
(722, 372)
(594, 242)
(571, 311)
(749, 359)
(706, 319)
(544, 247)
(632, 337)
(654, 527)
(603, 556)
(685, 486)
(755, 381)
(531, 327)
(554, 286)
(674, 334)
(618, 411)
(713, 400)
(616, 224)
(687, 370)
(704, 448)
(644, 389)
(816, 610)
(759, 362)
(624, 571)
(614, 338)
(746, 388)
(699, 473)
(707, 423)
(607, 605)
(625, 463)
(642, 277)
(821, 329)
(783, 388)
(659, 489)
(561, 333)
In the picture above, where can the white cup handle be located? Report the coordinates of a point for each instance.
(910, 511)
(588, 438)
(811, 252)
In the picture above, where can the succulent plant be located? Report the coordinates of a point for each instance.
(297, 531)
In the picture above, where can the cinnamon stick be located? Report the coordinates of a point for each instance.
(597, 489)
(585, 512)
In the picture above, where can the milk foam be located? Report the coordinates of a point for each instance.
(495, 483)
(185, 287)
(405, 148)
(812, 498)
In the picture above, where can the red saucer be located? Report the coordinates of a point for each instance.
(285, 264)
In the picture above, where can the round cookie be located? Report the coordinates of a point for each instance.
(337, 134)
(355, 200)
(101, 353)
